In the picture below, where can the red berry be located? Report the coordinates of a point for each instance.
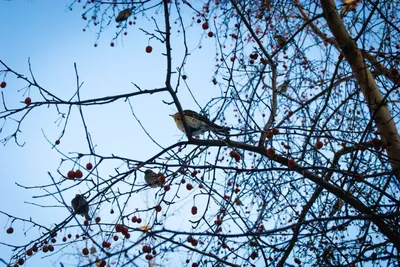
(149, 257)
(115, 238)
(319, 145)
(45, 249)
(35, 248)
(28, 100)
(51, 248)
(359, 178)
(146, 249)
(210, 34)
(296, 260)
(194, 210)
(124, 230)
(64, 239)
(189, 187)
(69, 235)
(21, 261)
(149, 49)
(10, 230)
(98, 219)
(3, 84)
(78, 174)
(127, 235)
(233, 154)
(158, 208)
(119, 228)
(134, 219)
(71, 175)
(167, 187)
(194, 242)
(112, 44)
(57, 142)
(254, 255)
(139, 220)
(237, 158)
(194, 264)
(86, 223)
(89, 166)
(29, 252)
(205, 25)
(291, 163)
(85, 251)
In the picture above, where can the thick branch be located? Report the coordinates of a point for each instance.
(379, 110)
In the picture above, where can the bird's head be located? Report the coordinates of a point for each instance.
(148, 171)
(176, 116)
(77, 196)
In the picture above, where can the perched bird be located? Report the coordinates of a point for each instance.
(198, 124)
(152, 178)
(124, 15)
(281, 40)
(80, 206)
(283, 87)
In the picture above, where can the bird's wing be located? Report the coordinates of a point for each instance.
(196, 115)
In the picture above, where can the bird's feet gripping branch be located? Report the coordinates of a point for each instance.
(198, 124)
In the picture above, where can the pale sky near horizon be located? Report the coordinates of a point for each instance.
(52, 37)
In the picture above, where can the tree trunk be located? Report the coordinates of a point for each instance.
(378, 108)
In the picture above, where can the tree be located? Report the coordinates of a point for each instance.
(309, 174)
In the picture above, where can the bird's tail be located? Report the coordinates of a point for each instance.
(87, 217)
(221, 130)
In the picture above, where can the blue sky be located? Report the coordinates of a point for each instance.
(52, 37)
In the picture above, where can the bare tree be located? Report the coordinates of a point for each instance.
(310, 171)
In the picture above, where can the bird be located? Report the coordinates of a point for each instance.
(198, 124)
(123, 14)
(152, 178)
(281, 41)
(283, 87)
(80, 206)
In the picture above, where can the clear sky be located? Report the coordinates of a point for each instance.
(52, 37)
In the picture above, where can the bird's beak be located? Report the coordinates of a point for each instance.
(171, 115)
